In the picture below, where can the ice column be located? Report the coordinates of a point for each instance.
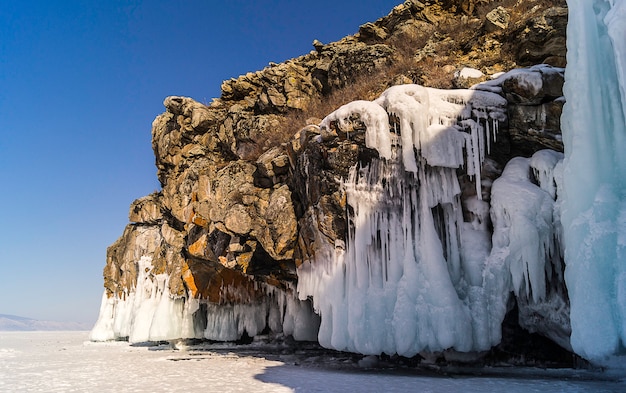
(594, 177)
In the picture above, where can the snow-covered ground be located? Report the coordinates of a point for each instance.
(67, 362)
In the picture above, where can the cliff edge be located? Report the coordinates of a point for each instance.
(372, 226)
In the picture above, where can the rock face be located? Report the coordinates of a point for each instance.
(222, 249)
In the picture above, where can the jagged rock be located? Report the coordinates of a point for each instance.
(212, 283)
(272, 167)
(536, 127)
(200, 116)
(466, 6)
(400, 14)
(410, 31)
(238, 220)
(120, 271)
(369, 32)
(272, 97)
(237, 208)
(235, 89)
(174, 238)
(146, 210)
(318, 45)
(497, 19)
(189, 129)
(357, 59)
(542, 39)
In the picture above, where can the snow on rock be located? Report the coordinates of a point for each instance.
(468, 72)
(375, 119)
(413, 275)
(532, 83)
(594, 190)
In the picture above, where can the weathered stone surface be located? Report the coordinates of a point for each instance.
(238, 220)
(356, 59)
(120, 272)
(278, 234)
(146, 210)
(497, 19)
(369, 32)
(238, 208)
(467, 6)
(542, 38)
(411, 30)
(174, 238)
(535, 127)
(272, 167)
(218, 284)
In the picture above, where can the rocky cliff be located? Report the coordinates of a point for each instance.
(263, 193)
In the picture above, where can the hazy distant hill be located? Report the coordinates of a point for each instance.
(16, 323)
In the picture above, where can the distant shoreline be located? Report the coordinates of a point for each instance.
(14, 323)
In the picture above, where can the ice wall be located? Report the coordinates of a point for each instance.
(414, 276)
(594, 178)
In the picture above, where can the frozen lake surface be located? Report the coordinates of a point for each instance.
(68, 362)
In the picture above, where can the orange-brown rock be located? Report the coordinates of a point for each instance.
(218, 284)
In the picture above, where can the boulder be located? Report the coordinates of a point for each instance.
(369, 32)
(497, 19)
(532, 88)
(356, 59)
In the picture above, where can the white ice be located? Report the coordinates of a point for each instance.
(522, 214)
(414, 276)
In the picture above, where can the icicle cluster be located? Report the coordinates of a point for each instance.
(150, 313)
(414, 276)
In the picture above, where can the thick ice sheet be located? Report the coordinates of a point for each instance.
(594, 197)
(66, 362)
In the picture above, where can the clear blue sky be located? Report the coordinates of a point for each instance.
(80, 83)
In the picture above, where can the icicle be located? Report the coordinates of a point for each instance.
(399, 286)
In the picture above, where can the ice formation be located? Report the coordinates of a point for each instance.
(594, 177)
(427, 267)
(150, 313)
(414, 276)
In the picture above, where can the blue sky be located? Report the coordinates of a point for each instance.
(80, 83)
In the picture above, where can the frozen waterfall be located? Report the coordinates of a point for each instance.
(415, 275)
(594, 178)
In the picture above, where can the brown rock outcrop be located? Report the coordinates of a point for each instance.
(239, 209)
